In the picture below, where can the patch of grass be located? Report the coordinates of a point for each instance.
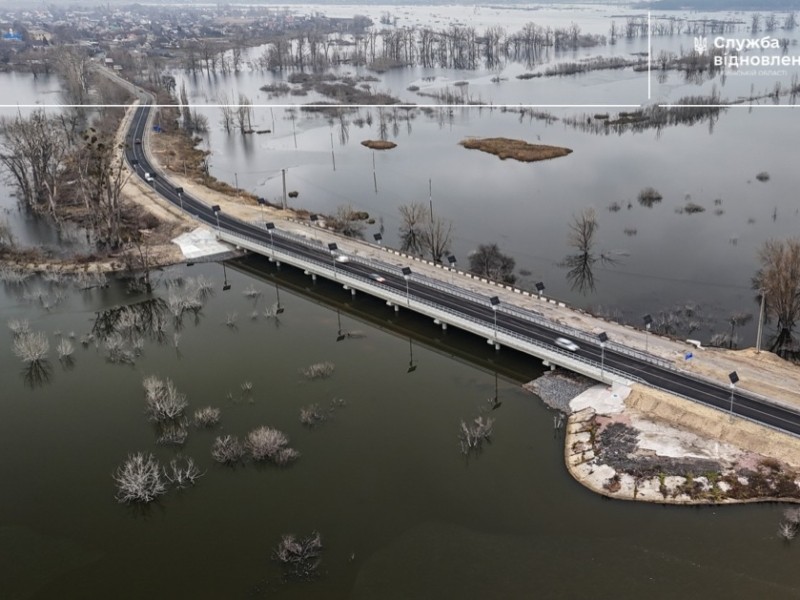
(693, 208)
(763, 176)
(517, 149)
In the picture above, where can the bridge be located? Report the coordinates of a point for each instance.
(503, 324)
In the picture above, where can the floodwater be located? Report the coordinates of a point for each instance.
(401, 512)
(648, 259)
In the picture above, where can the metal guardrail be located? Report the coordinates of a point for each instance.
(329, 272)
(459, 292)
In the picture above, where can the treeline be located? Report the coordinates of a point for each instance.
(454, 47)
(68, 161)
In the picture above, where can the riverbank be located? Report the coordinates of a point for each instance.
(635, 443)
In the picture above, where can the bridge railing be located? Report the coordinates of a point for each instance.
(527, 314)
(327, 268)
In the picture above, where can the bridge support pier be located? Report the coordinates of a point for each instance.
(313, 277)
(396, 308)
(444, 326)
(352, 292)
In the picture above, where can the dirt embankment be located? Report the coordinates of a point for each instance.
(663, 449)
(516, 149)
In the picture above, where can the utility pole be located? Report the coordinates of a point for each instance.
(374, 176)
(333, 157)
(430, 197)
(283, 175)
(760, 322)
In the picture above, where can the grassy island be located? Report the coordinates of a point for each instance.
(379, 144)
(516, 149)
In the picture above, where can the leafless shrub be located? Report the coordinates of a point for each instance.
(270, 444)
(630, 231)
(227, 449)
(763, 176)
(139, 479)
(787, 531)
(251, 292)
(86, 280)
(473, 435)
(117, 350)
(230, 319)
(19, 327)
(649, 196)
(172, 433)
(201, 287)
(64, 349)
(207, 416)
(246, 386)
(163, 402)
(614, 207)
(693, 208)
(182, 472)
(32, 347)
(13, 276)
(792, 515)
(299, 557)
(319, 370)
(312, 415)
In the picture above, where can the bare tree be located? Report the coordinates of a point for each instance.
(582, 230)
(778, 279)
(186, 110)
(244, 114)
(227, 111)
(412, 228)
(436, 237)
(348, 221)
(102, 176)
(489, 262)
(34, 153)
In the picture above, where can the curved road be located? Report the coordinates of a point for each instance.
(466, 306)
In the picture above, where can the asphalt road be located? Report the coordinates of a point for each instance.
(467, 305)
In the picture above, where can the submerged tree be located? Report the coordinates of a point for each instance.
(580, 266)
(34, 153)
(778, 280)
(422, 233)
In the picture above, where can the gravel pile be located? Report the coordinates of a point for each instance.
(558, 388)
